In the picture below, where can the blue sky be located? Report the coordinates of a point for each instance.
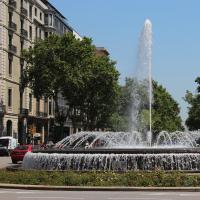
(116, 25)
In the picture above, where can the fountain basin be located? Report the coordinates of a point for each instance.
(114, 159)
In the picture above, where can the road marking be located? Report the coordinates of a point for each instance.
(70, 198)
(157, 194)
(130, 198)
(189, 194)
(25, 192)
(3, 192)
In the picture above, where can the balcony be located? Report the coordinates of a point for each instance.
(12, 49)
(24, 11)
(24, 33)
(41, 114)
(24, 111)
(12, 3)
(12, 26)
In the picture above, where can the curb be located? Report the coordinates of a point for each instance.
(84, 188)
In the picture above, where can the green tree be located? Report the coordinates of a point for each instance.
(165, 115)
(193, 120)
(94, 97)
(44, 71)
(67, 66)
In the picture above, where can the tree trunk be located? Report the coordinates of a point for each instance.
(60, 116)
(23, 128)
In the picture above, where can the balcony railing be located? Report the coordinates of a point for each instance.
(24, 11)
(24, 33)
(24, 111)
(12, 26)
(12, 3)
(12, 49)
(41, 114)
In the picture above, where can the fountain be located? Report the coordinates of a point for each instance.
(122, 151)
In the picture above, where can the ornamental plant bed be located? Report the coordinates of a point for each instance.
(93, 178)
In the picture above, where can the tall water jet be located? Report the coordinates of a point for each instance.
(143, 76)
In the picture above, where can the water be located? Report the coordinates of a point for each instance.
(113, 140)
(143, 77)
(114, 162)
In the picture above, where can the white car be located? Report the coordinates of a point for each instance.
(7, 144)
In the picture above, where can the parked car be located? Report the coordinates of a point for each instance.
(7, 144)
(19, 152)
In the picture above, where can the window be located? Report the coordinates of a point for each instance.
(50, 108)
(46, 19)
(30, 102)
(40, 33)
(46, 34)
(10, 67)
(22, 45)
(22, 24)
(21, 70)
(36, 32)
(30, 12)
(10, 40)
(36, 12)
(45, 105)
(38, 105)
(10, 17)
(9, 97)
(50, 20)
(30, 32)
(56, 22)
(40, 16)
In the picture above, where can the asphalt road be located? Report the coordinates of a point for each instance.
(7, 194)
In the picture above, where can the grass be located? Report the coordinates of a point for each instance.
(70, 178)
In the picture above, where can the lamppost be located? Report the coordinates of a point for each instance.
(2, 112)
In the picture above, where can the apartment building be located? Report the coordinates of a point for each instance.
(21, 23)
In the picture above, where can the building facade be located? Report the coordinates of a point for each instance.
(21, 23)
(22, 116)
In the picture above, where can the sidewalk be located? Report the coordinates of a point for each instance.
(79, 188)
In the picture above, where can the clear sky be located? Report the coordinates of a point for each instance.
(116, 25)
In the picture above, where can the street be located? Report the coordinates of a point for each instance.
(8, 194)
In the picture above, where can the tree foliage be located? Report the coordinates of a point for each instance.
(67, 66)
(165, 113)
(193, 120)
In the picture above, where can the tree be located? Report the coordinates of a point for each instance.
(44, 71)
(95, 97)
(165, 114)
(67, 66)
(193, 120)
(165, 110)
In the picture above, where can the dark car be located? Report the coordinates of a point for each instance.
(19, 152)
(4, 151)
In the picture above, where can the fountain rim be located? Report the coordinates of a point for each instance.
(121, 151)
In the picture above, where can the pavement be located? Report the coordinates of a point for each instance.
(5, 161)
(87, 188)
(7, 194)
